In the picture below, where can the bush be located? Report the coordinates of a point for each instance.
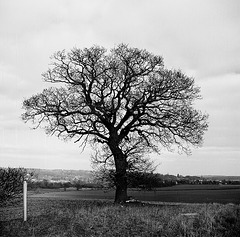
(227, 221)
(11, 184)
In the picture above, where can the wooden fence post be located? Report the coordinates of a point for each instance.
(24, 200)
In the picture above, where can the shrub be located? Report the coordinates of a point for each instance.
(227, 221)
(11, 184)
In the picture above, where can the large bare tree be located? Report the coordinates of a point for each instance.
(124, 102)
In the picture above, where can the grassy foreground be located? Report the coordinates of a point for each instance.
(54, 217)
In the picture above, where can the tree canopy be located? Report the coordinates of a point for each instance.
(124, 100)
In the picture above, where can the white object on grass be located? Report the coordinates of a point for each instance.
(24, 200)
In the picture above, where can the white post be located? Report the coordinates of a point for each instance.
(24, 200)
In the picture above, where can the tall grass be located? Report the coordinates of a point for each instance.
(102, 218)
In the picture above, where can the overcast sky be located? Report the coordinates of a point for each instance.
(200, 37)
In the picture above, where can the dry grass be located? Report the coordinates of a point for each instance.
(52, 217)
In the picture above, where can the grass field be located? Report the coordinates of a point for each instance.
(92, 213)
(56, 217)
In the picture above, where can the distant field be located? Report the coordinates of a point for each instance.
(180, 193)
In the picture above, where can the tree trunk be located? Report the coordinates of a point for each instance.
(121, 174)
(120, 180)
(120, 166)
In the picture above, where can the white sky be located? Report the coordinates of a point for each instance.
(201, 37)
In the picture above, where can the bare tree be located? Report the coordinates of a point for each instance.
(125, 103)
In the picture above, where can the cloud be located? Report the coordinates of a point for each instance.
(11, 84)
(204, 161)
(220, 92)
(31, 148)
(200, 37)
(220, 101)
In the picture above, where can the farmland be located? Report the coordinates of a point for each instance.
(182, 210)
(180, 193)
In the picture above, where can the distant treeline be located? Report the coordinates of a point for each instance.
(146, 181)
(79, 179)
(87, 176)
(60, 174)
(78, 184)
